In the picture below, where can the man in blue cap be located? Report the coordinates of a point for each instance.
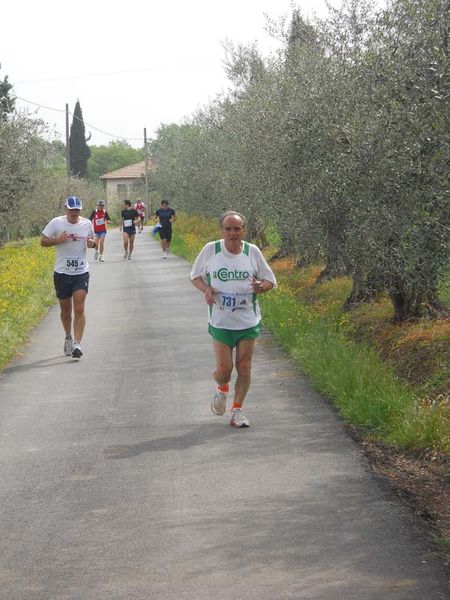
(72, 234)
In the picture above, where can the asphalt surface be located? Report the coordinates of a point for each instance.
(118, 483)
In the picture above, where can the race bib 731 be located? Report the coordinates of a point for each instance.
(232, 301)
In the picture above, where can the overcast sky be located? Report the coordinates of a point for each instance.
(131, 65)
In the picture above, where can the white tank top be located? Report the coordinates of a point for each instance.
(236, 305)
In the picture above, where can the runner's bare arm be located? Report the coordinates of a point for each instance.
(206, 289)
(259, 287)
(46, 242)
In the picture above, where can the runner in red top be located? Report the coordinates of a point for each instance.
(100, 218)
(140, 208)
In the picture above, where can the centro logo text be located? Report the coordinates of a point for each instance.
(225, 275)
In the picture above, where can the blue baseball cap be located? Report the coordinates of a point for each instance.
(73, 203)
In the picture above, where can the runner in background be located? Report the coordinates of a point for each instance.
(99, 218)
(165, 217)
(130, 218)
(141, 210)
(71, 234)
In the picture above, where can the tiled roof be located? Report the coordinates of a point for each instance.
(131, 172)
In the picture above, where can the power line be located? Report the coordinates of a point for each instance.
(128, 139)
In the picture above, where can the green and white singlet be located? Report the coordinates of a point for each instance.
(236, 306)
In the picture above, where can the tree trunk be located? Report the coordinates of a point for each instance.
(435, 308)
(333, 268)
(363, 290)
(408, 301)
(335, 263)
(257, 233)
(411, 304)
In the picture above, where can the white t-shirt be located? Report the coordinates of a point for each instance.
(236, 306)
(71, 255)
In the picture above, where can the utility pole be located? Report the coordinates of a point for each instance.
(149, 210)
(67, 150)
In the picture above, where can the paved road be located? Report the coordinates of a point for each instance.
(117, 482)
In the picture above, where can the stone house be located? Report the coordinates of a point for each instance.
(126, 183)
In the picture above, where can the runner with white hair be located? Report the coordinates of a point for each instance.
(231, 273)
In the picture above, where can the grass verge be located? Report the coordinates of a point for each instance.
(353, 376)
(26, 292)
(307, 320)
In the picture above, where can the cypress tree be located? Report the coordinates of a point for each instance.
(79, 150)
(6, 99)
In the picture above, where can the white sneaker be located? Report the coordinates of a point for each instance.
(77, 352)
(238, 419)
(125, 255)
(129, 257)
(101, 259)
(68, 346)
(219, 402)
(95, 255)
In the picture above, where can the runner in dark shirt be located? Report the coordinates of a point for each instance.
(165, 216)
(130, 217)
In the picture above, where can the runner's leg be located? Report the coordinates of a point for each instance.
(79, 320)
(224, 362)
(66, 314)
(130, 244)
(125, 242)
(244, 354)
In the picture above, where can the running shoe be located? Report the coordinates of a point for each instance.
(129, 257)
(77, 351)
(125, 256)
(101, 259)
(68, 346)
(238, 419)
(95, 255)
(219, 402)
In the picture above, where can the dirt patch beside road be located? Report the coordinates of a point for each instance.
(422, 481)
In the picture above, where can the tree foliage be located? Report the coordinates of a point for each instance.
(79, 150)
(7, 100)
(341, 140)
(116, 155)
(33, 179)
(17, 162)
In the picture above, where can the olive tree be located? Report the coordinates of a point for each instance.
(20, 156)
